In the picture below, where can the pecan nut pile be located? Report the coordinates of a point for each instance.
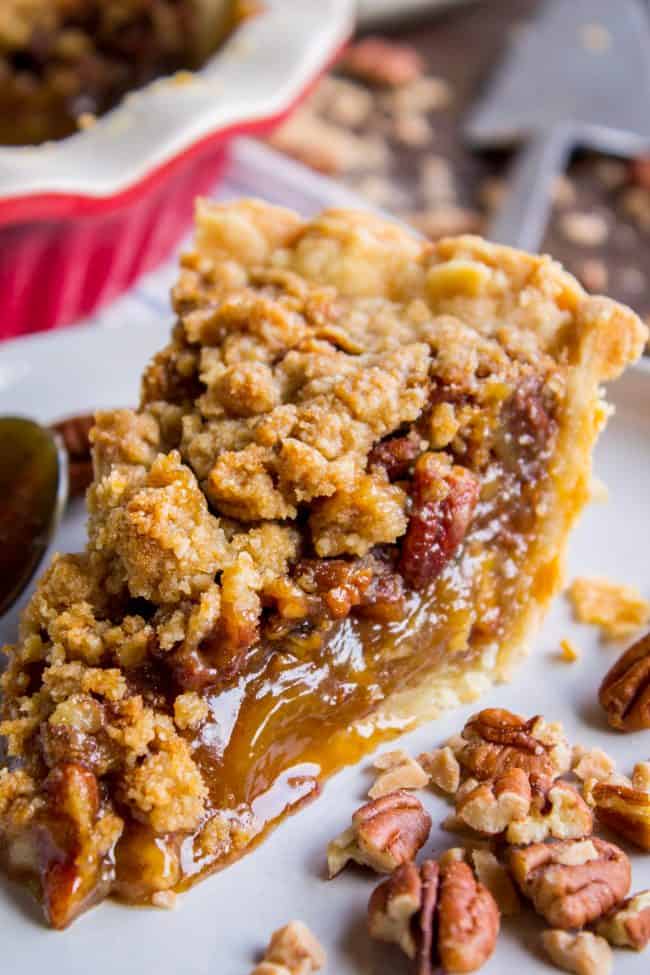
(384, 833)
(436, 914)
(625, 691)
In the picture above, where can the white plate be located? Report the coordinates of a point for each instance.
(220, 926)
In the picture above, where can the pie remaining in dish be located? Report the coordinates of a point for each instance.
(62, 59)
(342, 506)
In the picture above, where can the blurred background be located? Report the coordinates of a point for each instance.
(400, 144)
(387, 120)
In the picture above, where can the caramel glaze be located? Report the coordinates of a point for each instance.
(305, 707)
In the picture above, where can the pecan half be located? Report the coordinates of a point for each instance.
(625, 691)
(629, 925)
(384, 833)
(496, 740)
(572, 882)
(443, 501)
(625, 810)
(583, 953)
(468, 921)
(439, 913)
(491, 807)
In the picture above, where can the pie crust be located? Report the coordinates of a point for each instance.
(341, 507)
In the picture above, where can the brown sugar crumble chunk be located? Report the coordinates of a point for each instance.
(339, 507)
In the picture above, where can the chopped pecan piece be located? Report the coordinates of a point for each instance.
(398, 771)
(292, 950)
(384, 833)
(624, 810)
(75, 434)
(496, 878)
(336, 587)
(564, 816)
(491, 807)
(495, 740)
(572, 882)
(443, 768)
(382, 62)
(528, 421)
(629, 925)
(443, 501)
(395, 455)
(583, 953)
(339, 583)
(437, 914)
(393, 905)
(625, 691)
(591, 764)
(67, 845)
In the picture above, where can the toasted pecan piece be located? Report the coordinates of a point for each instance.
(382, 62)
(67, 846)
(491, 807)
(628, 926)
(443, 768)
(565, 815)
(393, 905)
(75, 434)
(292, 950)
(584, 953)
(572, 882)
(384, 833)
(624, 810)
(398, 770)
(625, 690)
(443, 501)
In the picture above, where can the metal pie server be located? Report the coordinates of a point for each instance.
(577, 77)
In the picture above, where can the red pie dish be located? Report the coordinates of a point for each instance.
(82, 217)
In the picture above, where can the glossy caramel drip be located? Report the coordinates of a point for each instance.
(308, 707)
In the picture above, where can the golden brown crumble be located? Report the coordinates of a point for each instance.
(340, 506)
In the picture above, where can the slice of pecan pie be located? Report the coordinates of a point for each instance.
(341, 506)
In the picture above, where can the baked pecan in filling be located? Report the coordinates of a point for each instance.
(341, 504)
